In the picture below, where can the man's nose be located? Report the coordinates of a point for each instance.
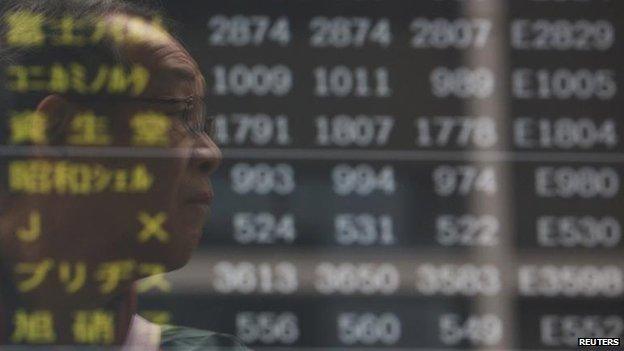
(206, 155)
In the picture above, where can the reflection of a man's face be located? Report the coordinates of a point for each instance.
(176, 75)
(105, 226)
(110, 213)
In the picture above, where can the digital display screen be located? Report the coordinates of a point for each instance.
(392, 174)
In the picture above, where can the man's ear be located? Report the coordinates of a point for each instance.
(59, 111)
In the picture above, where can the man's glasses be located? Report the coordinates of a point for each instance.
(192, 109)
(194, 113)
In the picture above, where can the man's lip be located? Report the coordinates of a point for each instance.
(202, 198)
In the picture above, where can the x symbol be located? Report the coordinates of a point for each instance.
(152, 227)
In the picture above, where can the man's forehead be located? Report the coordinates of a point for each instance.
(186, 73)
(171, 66)
(177, 78)
(174, 68)
(177, 63)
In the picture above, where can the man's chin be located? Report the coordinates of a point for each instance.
(186, 231)
(181, 251)
(176, 263)
(176, 259)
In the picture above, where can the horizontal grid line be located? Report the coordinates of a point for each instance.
(318, 154)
